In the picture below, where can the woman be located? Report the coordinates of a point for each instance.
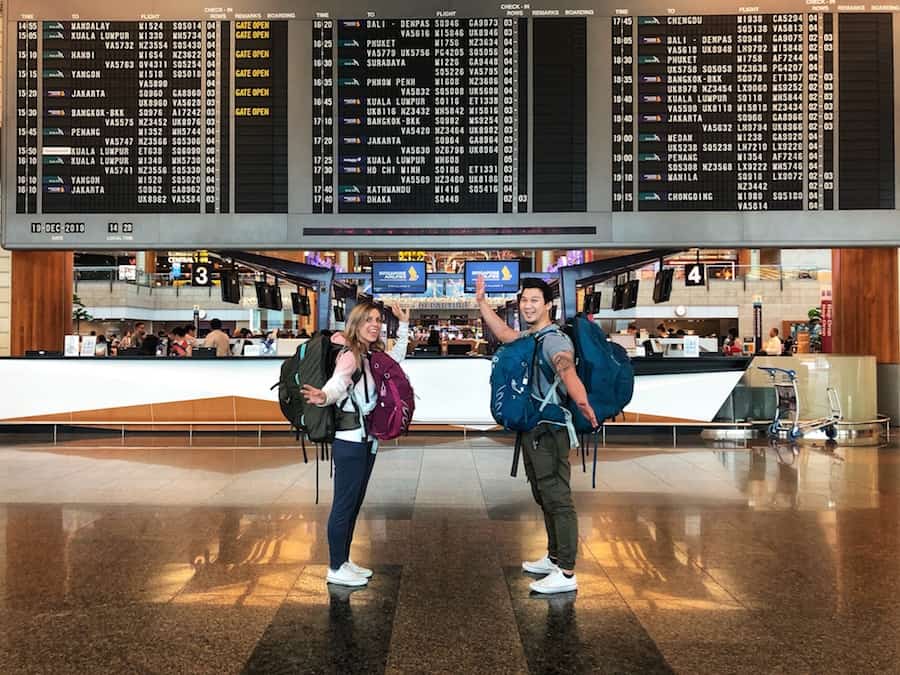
(732, 345)
(352, 389)
(178, 345)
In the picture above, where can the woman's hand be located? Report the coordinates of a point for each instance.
(313, 395)
(402, 313)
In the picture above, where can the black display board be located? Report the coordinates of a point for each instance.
(291, 125)
(560, 115)
(418, 128)
(261, 116)
(866, 106)
(121, 116)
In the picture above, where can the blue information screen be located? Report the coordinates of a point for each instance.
(398, 277)
(500, 276)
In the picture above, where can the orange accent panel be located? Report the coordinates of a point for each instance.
(133, 413)
(254, 409)
(41, 300)
(866, 303)
(641, 417)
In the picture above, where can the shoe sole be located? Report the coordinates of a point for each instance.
(366, 575)
(346, 582)
(548, 591)
(532, 569)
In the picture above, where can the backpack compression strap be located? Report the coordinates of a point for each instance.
(570, 425)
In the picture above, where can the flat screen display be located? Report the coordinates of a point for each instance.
(399, 277)
(500, 276)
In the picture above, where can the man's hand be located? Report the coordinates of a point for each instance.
(480, 295)
(588, 413)
(401, 313)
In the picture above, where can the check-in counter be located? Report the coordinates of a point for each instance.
(450, 391)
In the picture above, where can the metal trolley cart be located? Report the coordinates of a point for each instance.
(787, 407)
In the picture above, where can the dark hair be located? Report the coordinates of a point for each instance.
(215, 324)
(733, 332)
(539, 284)
(149, 345)
(179, 331)
(661, 326)
(776, 330)
(189, 328)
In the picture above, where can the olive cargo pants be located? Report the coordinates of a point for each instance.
(546, 452)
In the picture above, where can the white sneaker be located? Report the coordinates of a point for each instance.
(555, 582)
(542, 566)
(361, 571)
(345, 577)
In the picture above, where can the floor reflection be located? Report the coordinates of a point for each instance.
(688, 557)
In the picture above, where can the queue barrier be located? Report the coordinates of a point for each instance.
(882, 420)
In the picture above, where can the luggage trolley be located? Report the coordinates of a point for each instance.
(787, 407)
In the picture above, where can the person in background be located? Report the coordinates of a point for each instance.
(140, 334)
(178, 344)
(303, 333)
(773, 346)
(632, 329)
(732, 344)
(125, 341)
(217, 339)
(148, 345)
(102, 348)
(190, 335)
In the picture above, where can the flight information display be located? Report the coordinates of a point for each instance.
(285, 124)
(418, 103)
(121, 104)
(738, 112)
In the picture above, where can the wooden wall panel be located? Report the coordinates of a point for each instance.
(866, 303)
(41, 312)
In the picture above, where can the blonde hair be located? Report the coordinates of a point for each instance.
(358, 317)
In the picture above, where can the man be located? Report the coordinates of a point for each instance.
(773, 345)
(546, 447)
(217, 339)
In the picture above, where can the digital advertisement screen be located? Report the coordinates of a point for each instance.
(399, 277)
(500, 276)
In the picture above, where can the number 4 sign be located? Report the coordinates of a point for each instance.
(695, 275)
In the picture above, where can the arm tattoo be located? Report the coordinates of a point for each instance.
(562, 361)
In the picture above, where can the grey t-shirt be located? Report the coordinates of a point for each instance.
(552, 342)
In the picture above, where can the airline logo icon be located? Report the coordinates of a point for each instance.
(505, 273)
(411, 274)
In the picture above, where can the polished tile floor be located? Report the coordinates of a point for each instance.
(152, 558)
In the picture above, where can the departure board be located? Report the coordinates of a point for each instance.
(121, 116)
(281, 124)
(418, 103)
(738, 112)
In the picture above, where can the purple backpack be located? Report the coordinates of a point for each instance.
(396, 401)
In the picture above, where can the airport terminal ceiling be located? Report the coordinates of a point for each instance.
(270, 125)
